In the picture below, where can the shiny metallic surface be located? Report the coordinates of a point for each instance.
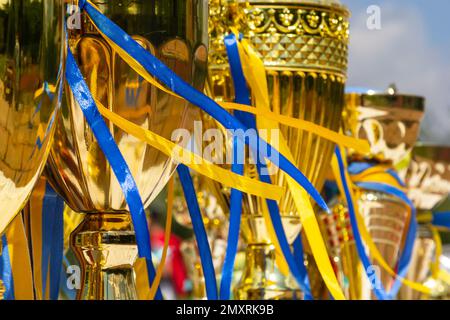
(386, 219)
(174, 31)
(303, 45)
(390, 122)
(428, 181)
(422, 257)
(31, 74)
(105, 245)
(428, 176)
(338, 232)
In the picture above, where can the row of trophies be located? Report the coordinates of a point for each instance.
(304, 47)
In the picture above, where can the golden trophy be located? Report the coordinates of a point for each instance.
(31, 75)
(176, 33)
(428, 181)
(391, 123)
(303, 45)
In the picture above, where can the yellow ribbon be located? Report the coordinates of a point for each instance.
(359, 145)
(255, 74)
(300, 196)
(35, 206)
(194, 161)
(160, 270)
(435, 265)
(362, 226)
(20, 260)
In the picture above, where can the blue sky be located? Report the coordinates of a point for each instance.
(412, 49)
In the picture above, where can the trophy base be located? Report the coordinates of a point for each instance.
(261, 280)
(105, 245)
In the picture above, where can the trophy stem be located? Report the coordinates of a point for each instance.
(105, 245)
(261, 279)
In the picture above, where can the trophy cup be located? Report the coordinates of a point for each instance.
(176, 33)
(31, 74)
(390, 122)
(428, 181)
(303, 45)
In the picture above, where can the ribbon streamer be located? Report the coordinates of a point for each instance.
(234, 228)
(255, 74)
(15, 263)
(144, 63)
(200, 232)
(276, 233)
(360, 231)
(118, 164)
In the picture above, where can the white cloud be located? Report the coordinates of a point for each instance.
(401, 52)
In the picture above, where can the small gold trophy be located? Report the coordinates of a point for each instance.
(390, 122)
(303, 45)
(176, 33)
(428, 181)
(31, 74)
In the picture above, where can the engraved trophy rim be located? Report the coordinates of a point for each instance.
(377, 98)
(318, 4)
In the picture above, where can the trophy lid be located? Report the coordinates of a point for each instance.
(428, 175)
(389, 98)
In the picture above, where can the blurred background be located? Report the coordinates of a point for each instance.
(411, 49)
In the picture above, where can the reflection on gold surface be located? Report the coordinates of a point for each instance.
(428, 181)
(30, 80)
(391, 124)
(174, 31)
(304, 47)
(428, 176)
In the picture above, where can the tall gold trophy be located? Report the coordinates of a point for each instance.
(176, 33)
(31, 74)
(428, 181)
(390, 122)
(304, 47)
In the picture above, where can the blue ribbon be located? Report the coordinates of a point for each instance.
(243, 96)
(6, 271)
(441, 219)
(233, 233)
(161, 72)
(378, 289)
(52, 241)
(405, 257)
(200, 232)
(118, 164)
